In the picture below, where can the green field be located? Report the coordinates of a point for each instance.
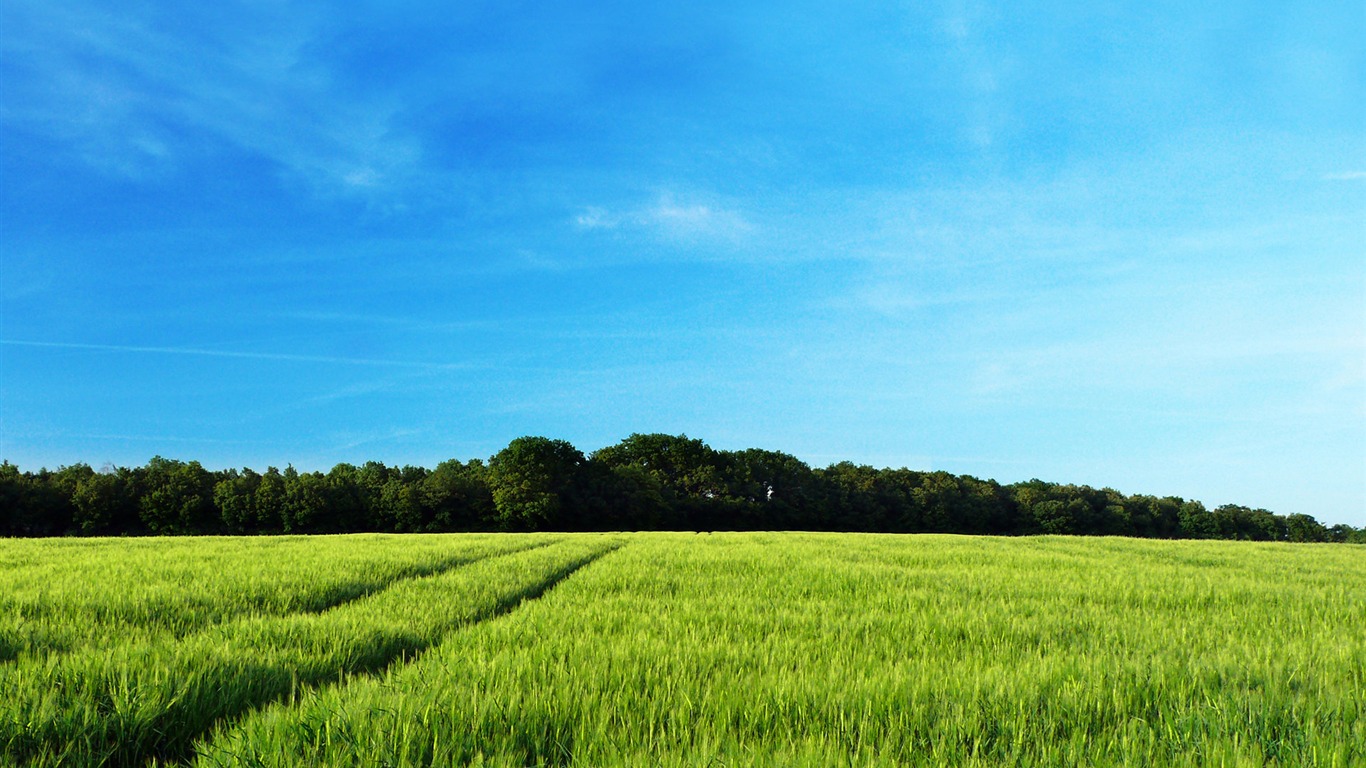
(680, 650)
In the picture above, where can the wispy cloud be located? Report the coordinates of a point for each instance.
(410, 324)
(1345, 176)
(900, 300)
(281, 357)
(135, 97)
(594, 217)
(980, 75)
(692, 220)
(671, 217)
(371, 438)
(144, 438)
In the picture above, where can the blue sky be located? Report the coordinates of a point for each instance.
(1113, 244)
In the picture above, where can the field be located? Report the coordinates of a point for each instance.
(680, 650)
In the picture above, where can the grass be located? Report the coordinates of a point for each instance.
(749, 649)
(124, 702)
(65, 594)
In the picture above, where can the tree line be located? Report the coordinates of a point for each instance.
(645, 482)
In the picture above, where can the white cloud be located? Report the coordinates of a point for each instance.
(693, 220)
(672, 219)
(240, 355)
(980, 73)
(134, 96)
(1345, 176)
(595, 218)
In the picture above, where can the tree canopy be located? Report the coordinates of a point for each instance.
(644, 482)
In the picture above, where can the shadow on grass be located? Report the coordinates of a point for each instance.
(12, 647)
(173, 706)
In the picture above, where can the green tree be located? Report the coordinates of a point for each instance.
(635, 499)
(1113, 517)
(937, 503)
(350, 510)
(1153, 516)
(986, 507)
(691, 477)
(398, 506)
(855, 500)
(1346, 534)
(1234, 521)
(235, 498)
(905, 497)
(11, 497)
(535, 483)
(1055, 516)
(774, 490)
(106, 503)
(271, 500)
(306, 507)
(1301, 527)
(683, 466)
(456, 496)
(177, 498)
(1196, 521)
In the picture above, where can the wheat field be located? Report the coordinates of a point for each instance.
(680, 649)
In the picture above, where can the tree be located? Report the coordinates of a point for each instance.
(11, 497)
(904, 497)
(456, 496)
(1301, 527)
(177, 498)
(1346, 534)
(1196, 521)
(774, 490)
(690, 475)
(683, 466)
(349, 511)
(41, 505)
(106, 503)
(854, 501)
(1234, 521)
(398, 506)
(535, 483)
(1154, 517)
(1056, 516)
(370, 479)
(306, 503)
(1112, 517)
(235, 498)
(938, 503)
(647, 481)
(270, 502)
(634, 499)
(986, 507)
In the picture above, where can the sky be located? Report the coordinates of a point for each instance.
(1118, 244)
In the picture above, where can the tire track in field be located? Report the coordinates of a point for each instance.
(152, 703)
(418, 572)
(13, 645)
(181, 753)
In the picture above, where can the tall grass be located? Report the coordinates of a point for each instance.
(63, 594)
(834, 650)
(124, 703)
(682, 650)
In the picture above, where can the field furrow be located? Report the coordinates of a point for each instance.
(831, 650)
(124, 704)
(85, 593)
(739, 649)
